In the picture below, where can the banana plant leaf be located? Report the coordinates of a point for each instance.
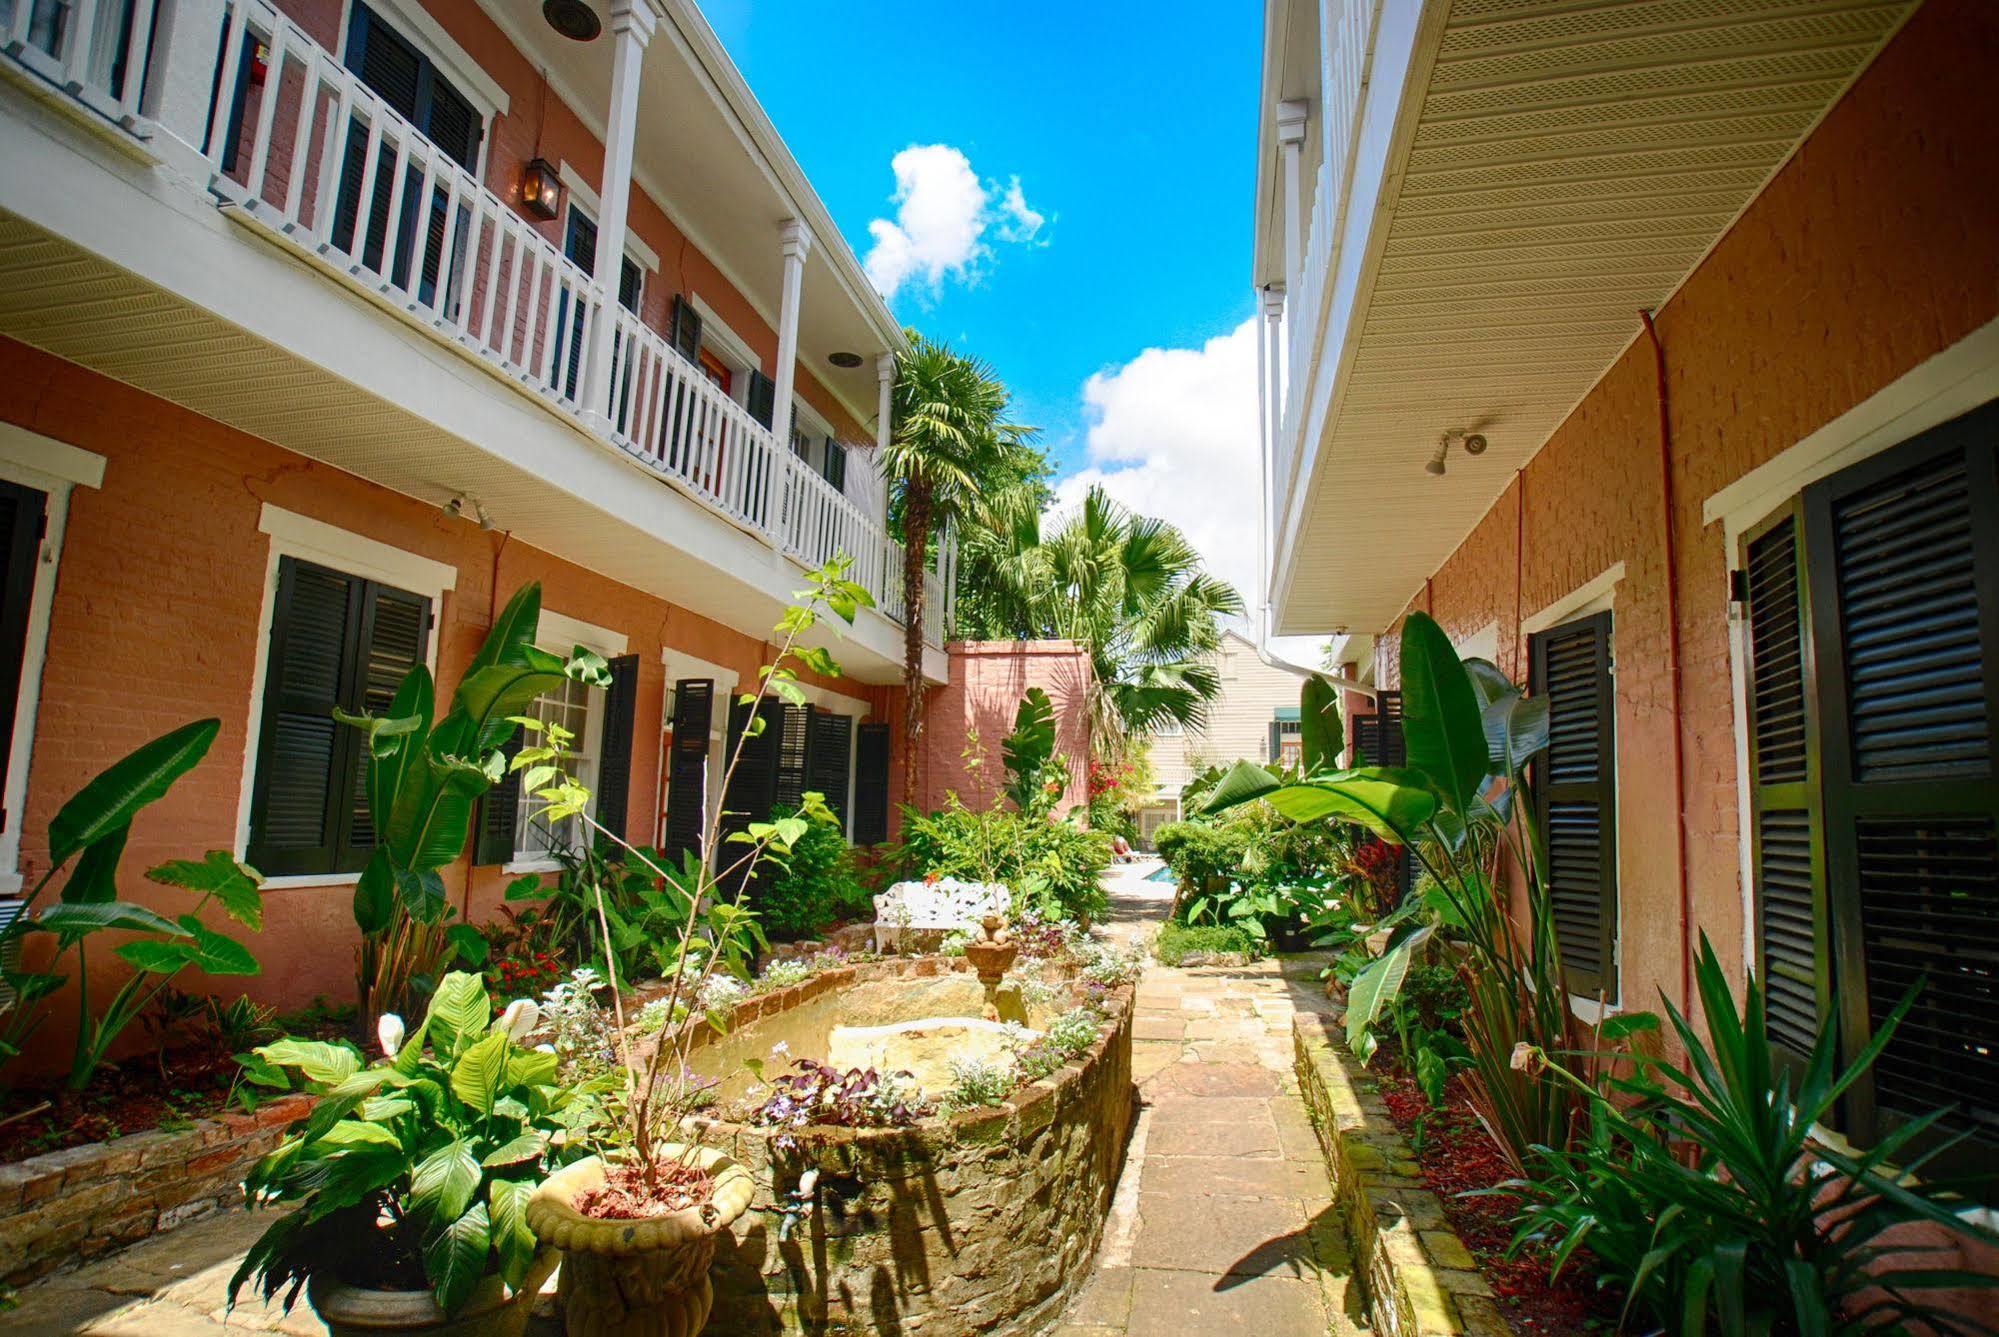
(1442, 729)
(1394, 803)
(109, 801)
(1320, 737)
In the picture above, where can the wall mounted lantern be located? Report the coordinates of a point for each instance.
(541, 189)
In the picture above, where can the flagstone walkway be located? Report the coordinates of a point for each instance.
(1223, 1219)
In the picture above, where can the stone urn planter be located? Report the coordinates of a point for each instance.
(637, 1278)
(492, 1311)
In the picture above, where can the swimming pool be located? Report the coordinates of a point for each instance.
(1160, 874)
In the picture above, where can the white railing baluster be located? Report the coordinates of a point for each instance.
(136, 48)
(219, 126)
(333, 168)
(308, 103)
(267, 107)
(79, 31)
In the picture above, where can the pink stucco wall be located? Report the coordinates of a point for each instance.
(970, 717)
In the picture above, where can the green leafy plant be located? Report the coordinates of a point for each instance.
(1707, 1196)
(87, 838)
(414, 1172)
(812, 885)
(1176, 942)
(422, 780)
(1462, 798)
(1028, 750)
(1051, 866)
(1320, 737)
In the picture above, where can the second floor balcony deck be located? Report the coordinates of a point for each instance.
(295, 148)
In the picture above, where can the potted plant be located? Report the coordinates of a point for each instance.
(638, 1228)
(411, 1176)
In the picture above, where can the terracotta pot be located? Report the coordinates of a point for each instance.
(631, 1278)
(357, 1311)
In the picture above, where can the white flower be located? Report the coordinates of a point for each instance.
(519, 1019)
(780, 1048)
(544, 1049)
(389, 1031)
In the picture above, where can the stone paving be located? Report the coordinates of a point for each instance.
(1223, 1217)
(1221, 1223)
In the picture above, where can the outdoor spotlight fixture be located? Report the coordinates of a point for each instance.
(1436, 462)
(465, 506)
(541, 189)
(844, 360)
(1475, 444)
(573, 19)
(1472, 443)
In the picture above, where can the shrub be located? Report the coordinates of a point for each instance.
(816, 884)
(813, 1093)
(1051, 866)
(1177, 941)
(979, 1083)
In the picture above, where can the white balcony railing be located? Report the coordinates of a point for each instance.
(302, 147)
(94, 50)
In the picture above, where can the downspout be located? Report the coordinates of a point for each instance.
(1673, 662)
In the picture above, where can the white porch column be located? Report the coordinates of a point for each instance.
(632, 24)
(795, 239)
(187, 36)
(1270, 367)
(885, 399)
(1291, 142)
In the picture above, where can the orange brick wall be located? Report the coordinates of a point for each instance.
(155, 623)
(1870, 251)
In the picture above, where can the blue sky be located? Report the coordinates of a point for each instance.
(1130, 128)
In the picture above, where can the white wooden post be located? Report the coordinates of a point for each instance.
(1273, 368)
(795, 240)
(187, 40)
(632, 24)
(884, 401)
(1291, 142)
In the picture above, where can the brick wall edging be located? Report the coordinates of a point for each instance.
(1419, 1278)
(69, 1206)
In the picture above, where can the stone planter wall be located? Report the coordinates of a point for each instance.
(984, 1222)
(1419, 1277)
(73, 1205)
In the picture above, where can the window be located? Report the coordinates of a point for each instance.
(579, 709)
(337, 640)
(1576, 792)
(513, 829)
(1872, 624)
(23, 521)
(409, 84)
(1287, 742)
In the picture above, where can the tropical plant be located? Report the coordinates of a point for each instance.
(1320, 735)
(710, 886)
(949, 431)
(1029, 755)
(815, 882)
(1176, 942)
(86, 840)
(414, 1172)
(1707, 1195)
(422, 782)
(1469, 734)
(1051, 865)
(1133, 590)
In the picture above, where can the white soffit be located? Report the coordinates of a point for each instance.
(1570, 165)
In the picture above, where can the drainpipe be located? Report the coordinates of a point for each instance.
(1673, 662)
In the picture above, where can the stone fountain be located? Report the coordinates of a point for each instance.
(992, 956)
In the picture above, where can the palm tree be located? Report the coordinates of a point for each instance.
(950, 434)
(1131, 588)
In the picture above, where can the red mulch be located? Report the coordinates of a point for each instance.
(132, 1098)
(624, 1195)
(1457, 1156)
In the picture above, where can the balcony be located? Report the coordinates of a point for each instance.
(308, 158)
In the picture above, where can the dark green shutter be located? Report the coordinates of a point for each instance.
(687, 765)
(1577, 798)
(794, 751)
(832, 750)
(494, 839)
(23, 514)
(836, 465)
(752, 787)
(1902, 555)
(614, 770)
(1276, 742)
(1793, 957)
(686, 328)
(762, 402)
(336, 641)
(871, 784)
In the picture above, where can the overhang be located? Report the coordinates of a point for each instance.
(1552, 169)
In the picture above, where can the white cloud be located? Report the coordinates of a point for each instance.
(1173, 433)
(944, 214)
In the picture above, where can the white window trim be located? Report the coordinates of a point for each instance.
(558, 633)
(1481, 644)
(678, 665)
(1597, 595)
(52, 468)
(1947, 386)
(581, 194)
(427, 35)
(301, 536)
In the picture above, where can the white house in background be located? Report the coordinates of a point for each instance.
(1254, 719)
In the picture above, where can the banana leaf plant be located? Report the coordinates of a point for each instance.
(1469, 735)
(424, 779)
(86, 842)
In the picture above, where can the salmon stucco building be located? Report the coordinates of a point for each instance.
(1653, 350)
(328, 324)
